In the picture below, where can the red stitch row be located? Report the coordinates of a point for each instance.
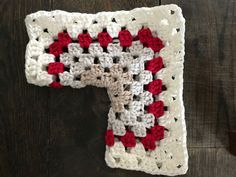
(128, 140)
(125, 38)
(155, 87)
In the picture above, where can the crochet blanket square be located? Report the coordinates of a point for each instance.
(138, 57)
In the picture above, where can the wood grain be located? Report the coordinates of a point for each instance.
(209, 75)
(24, 123)
(49, 133)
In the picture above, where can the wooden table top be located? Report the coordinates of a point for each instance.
(58, 133)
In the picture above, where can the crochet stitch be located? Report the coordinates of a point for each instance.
(138, 56)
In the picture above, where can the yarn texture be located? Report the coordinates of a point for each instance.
(138, 57)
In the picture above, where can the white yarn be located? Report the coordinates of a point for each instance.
(75, 49)
(124, 79)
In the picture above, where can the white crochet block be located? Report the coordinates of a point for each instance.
(125, 88)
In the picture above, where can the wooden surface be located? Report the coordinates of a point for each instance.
(59, 133)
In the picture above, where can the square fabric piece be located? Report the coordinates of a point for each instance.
(138, 57)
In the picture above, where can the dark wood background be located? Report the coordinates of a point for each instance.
(59, 133)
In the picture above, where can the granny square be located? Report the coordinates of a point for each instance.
(138, 57)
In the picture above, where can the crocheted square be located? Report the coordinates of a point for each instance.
(138, 57)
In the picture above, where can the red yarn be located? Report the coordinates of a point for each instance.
(155, 44)
(125, 38)
(104, 39)
(55, 85)
(144, 35)
(135, 38)
(55, 68)
(154, 65)
(156, 108)
(128, 139)
(64, 39)
(109, 138)
(155, 87)
(56, 48)
(148, 142)
(158, 132)
(84, 40)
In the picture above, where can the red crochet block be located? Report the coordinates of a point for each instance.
(155, 44)
(158, 132)
(109, 138)
(55, 68)
(56, 48)
(156, 108)
(149, 142)
(144, 35)
(104, 39)
(154, 65)
(64, 39)
(85, 40)
(128, 139)
(155, 87)
(125, 38)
